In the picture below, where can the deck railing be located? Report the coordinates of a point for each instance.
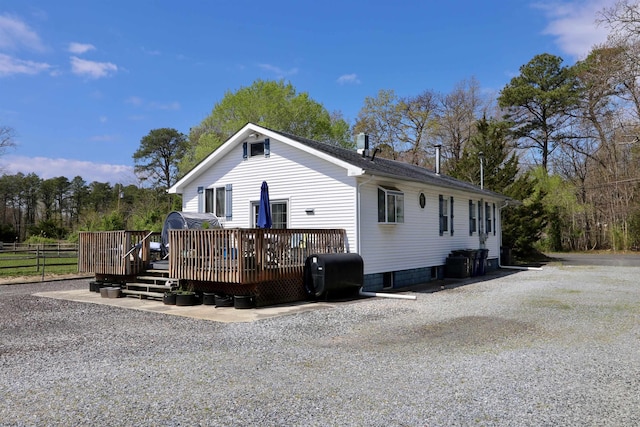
(246, 256)
(118, 253)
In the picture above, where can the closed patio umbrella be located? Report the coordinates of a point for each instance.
(264, 209)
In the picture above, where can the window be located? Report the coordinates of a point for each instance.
(390, 205)
(209, 199)
(487, 215)
(256, 149)
(278, 214)
(220, 202)
(472, 218)
(446, 214)
(215, 201)
(480, 217)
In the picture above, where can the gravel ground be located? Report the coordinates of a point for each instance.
(533, 348)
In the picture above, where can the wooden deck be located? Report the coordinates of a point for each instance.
(247, 255)
(266, 263)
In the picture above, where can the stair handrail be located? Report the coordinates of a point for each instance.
(135, 246)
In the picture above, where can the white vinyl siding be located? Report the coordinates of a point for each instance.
(320, 194)
(417, 243)
(305, 181)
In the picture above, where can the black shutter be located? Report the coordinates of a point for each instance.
(440, 201)
(267, 148)
(451, 216)
(494, 219)
(487, 220)
(245, 153)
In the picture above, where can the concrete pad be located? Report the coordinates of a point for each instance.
(205, 312)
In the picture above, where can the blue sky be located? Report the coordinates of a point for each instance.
(81, 82)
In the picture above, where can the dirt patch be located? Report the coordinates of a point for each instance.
(467, 334)
(475, 331)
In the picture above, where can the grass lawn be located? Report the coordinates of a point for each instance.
(12, 265)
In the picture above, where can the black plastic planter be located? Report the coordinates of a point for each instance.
(186, 299)
(169, 298)
(244, 301)
(224, 301)
(208, 298)
(94, 286)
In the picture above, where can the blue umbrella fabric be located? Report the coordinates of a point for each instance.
(264, 209)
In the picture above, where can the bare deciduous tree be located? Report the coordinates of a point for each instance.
(459, 112)
(7, 136)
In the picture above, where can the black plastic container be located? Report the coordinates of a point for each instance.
(244, 301)
(325, 273)
(224, 300)
(208, 298)
(186, 299)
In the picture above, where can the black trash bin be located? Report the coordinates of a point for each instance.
(339, 273)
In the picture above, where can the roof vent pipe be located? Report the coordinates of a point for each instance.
(438, 159)
(362, 144)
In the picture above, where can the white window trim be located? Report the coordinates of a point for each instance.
(256, 203)
(214, 196)
(398, 195)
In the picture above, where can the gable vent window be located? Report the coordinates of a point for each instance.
(256, 149)
(390, 205)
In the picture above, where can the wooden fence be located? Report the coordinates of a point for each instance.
(37, 255)
(245, 256)
(118, 253)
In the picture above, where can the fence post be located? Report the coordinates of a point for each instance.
(44, 261)
(37, 258)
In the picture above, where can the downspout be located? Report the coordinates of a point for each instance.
(386, 295)
(509, 267)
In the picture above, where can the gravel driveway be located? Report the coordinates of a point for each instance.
(530, 348)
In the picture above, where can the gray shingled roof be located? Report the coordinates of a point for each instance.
(392, 168)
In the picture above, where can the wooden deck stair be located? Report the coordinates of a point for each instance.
(150, 284)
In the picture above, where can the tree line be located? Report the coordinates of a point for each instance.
(56, 208)
(563, 140)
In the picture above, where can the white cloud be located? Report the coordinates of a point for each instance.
(46, 168)
(10, 65)
(80, 48)
(15, 34)
(349, 79)
(104, 138)
(92, 69)
(279, 72)
(152, 52)
(573, 24)
(170, 106)
(136, 101)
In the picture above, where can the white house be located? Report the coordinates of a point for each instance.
(402, 219)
